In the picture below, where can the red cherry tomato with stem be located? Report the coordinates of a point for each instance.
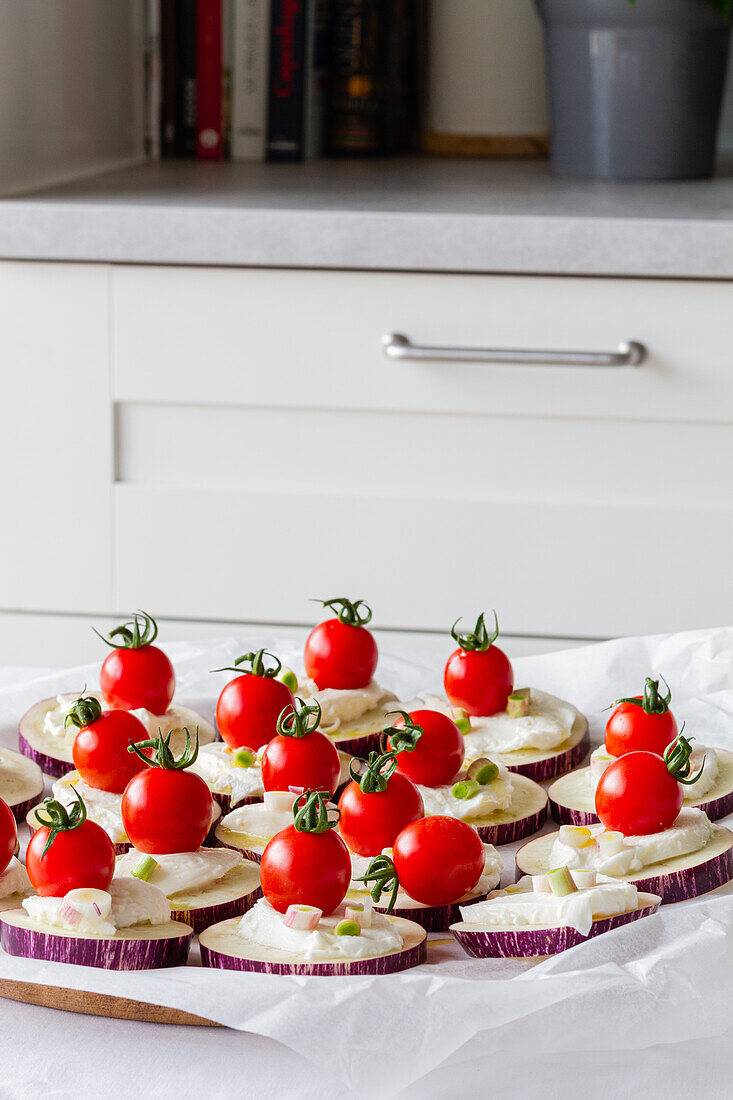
(69, 851)
(137, 674)
(478, 675)
(100, 747)
(429, 745)
(250, 705)
(166, 808)
(377, 805)
(341, 653)
(640, 793)
(300, 755)
(642, 723)
(307, 863)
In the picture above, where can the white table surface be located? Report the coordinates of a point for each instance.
(59, 1054)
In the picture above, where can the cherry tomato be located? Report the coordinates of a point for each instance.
(80, 853)
(377, 807)
(166, 808)
(306, 865)
(300, 755)
(100, 747)
(438, 859)
(640, 793)
(8, 836)
(438, 750)
(251, 703)
(478, 676)
(642, 723)
(341, 653)
(137, 674)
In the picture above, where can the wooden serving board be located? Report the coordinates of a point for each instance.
(97, 1004)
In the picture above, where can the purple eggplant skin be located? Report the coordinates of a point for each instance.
(553, 766)
(564, 815)
(49, 765)
(434, 918)
(382, 964)
(360, 745)
(20, 810)
(106, 954)
(225, 801)
(510, 831)
(206, 915)
(249, 853)
(525, 943)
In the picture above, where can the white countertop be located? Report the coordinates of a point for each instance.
(410, 213)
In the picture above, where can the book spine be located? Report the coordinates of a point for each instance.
(168, 78)
(316, 67)
(185, 12)
(152, 80)
(209, 137)
(250, 66)
(286, 99)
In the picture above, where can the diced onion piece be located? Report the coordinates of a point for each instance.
(575, 836)
(348, 928)
(145, 868)
(461, 719)
(561, 882)
(89, 902)
(361, 912)
(304, 918)
(517, 705)
(279, 801)
(583, 878)
(541, 885)
(467, 788)
(483, 770)
(610, 843)
(69, 915)
(244, 758)
(288, 677)
(599, 761)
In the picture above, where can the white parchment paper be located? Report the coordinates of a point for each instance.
(659, 980)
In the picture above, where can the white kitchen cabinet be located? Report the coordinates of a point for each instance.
(55, 437)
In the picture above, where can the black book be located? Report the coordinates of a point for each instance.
(286, 89)
(185, 15)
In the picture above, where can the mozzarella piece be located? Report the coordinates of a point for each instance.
(215, 764)
(548, 725)
(135, 902)
(182, 872)
(527, 908)
(103, 807)
(496, 795)
(691, 831)
(339, 706)
(263, 925)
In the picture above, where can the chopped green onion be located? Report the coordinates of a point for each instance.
(145, 868)
(244, 758)
(561, 882)
(347, 928)
(461, 719)
(483, 771)
(288, 677)
(518, 703)
(467, 788)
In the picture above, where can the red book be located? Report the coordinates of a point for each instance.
(209, 120)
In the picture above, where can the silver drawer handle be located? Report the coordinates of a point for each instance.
(630, 354)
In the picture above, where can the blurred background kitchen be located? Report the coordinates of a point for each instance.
(428, 302)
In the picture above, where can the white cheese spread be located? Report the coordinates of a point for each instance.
(496, 795)
(127, 904)
(182, 872)
(690, 833)
(14, 879)
(339, 706)
(263, 925)
(546, 727)
(103, 807)
(215, 764)
(525, 908)
(600, 759)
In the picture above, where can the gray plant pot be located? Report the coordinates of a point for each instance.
(635, 91)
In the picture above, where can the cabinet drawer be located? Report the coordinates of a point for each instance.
(259, 337)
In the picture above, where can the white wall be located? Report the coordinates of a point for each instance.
(71, 88)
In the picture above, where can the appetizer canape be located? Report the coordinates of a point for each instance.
(436, 865)
(14, 884)
(501, 805)
(166, 812)
(250, 705)
(644, 722)
(340, 661)
(136, 676)
(21, 782)
(80, 914)
(299, 756)
(301, 925)
(546, 914)
(645, 836)
(526, 730)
